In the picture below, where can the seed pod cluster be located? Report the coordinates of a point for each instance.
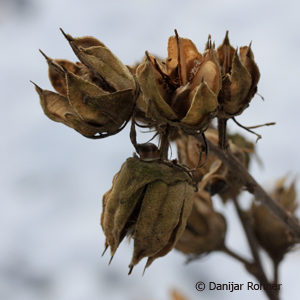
(97, 95)
(272, 235)
(150, 201)
(151, 197)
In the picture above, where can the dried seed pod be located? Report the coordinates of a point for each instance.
(213, 176)
(240, 78)
(272, 235)
(183, 92)
(149, 201)
(95, 96)
(205, 230)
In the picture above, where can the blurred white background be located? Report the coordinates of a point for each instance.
(52, 178)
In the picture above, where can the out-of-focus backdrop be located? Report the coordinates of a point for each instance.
(52, 178)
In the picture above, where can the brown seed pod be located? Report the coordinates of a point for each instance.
(272, 235)
(240, 76)
(150, 201)
(183, 91)
(205, 230)
(95, 96)
(213, 176)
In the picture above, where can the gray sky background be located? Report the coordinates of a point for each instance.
(52, 178)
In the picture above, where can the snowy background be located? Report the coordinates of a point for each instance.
(52, 179)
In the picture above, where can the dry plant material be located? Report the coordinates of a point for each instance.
(95, 96)
(183, 91)
(240, 76)
(271, 234)
(150, 202)
(162, 203)
(214, 176)
(205, 230)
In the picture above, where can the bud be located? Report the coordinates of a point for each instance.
(213, 175)
(272, 235)
(94, 96)
(149, 201)
(240, 76)
(182, 91)
(205, 229)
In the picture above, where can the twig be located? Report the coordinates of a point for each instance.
(254, 188)
(248, 129)
(222, 133)
(164, 143)
(276, 273)
(235, 256)
(256, 269)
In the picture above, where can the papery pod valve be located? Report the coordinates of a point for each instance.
(150, 202)
(95, 96)
(218, 178)
(205, 230)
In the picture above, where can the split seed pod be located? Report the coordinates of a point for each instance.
(149, 201)
(240, 76)
(183, 91)
(94, 96)
(213, 175)
(272, 235)
(205, 230)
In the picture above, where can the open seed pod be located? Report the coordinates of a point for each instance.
(95, 96)
(214, 175)
(240, 76)
(150, 202)
(272, 235)
(182, 91)
(205, 230)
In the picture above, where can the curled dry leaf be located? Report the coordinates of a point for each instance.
(149, 201)
(95, 96)
(272, 235)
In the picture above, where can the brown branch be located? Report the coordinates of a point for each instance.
(236, 256)
(276, 271)
(254, 188)
(222, 133)
(164, 143)
(257, 268)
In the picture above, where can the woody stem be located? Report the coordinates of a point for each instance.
(164, 143)
(276, 271)
(235, 255)
(222, 133)
(256, 269)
